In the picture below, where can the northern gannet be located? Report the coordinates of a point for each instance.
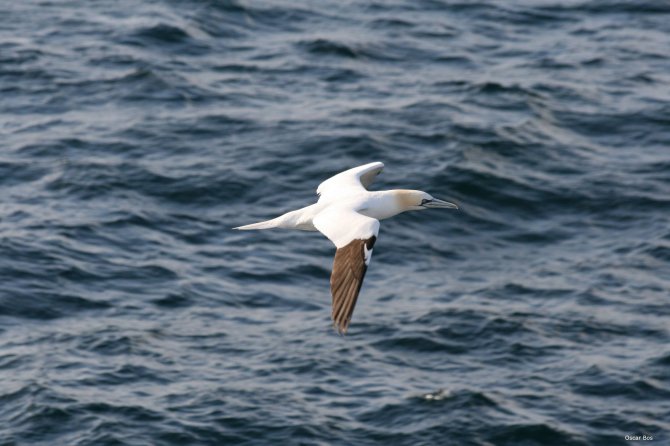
(348, 214)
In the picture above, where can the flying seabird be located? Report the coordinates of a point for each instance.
(348, 214)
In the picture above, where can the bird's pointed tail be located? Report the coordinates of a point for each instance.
(274, 223)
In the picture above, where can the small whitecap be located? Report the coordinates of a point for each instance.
(437, 395)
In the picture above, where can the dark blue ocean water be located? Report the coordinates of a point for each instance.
(135, 135)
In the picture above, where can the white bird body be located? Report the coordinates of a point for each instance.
(348, 214)
(378, 205)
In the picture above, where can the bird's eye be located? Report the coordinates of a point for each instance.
(424, 201)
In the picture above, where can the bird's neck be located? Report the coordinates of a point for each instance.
(385, 204)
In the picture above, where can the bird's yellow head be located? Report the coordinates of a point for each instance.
(416, 200)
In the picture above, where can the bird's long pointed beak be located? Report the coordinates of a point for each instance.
(439, 204)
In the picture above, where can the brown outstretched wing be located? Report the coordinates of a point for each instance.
(351, 263)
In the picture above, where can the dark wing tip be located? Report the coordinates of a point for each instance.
(349, 270)
(341, 328)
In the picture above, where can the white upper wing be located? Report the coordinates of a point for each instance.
(342, 225)
(350, 181)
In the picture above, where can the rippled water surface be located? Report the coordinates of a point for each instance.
(135, 135)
